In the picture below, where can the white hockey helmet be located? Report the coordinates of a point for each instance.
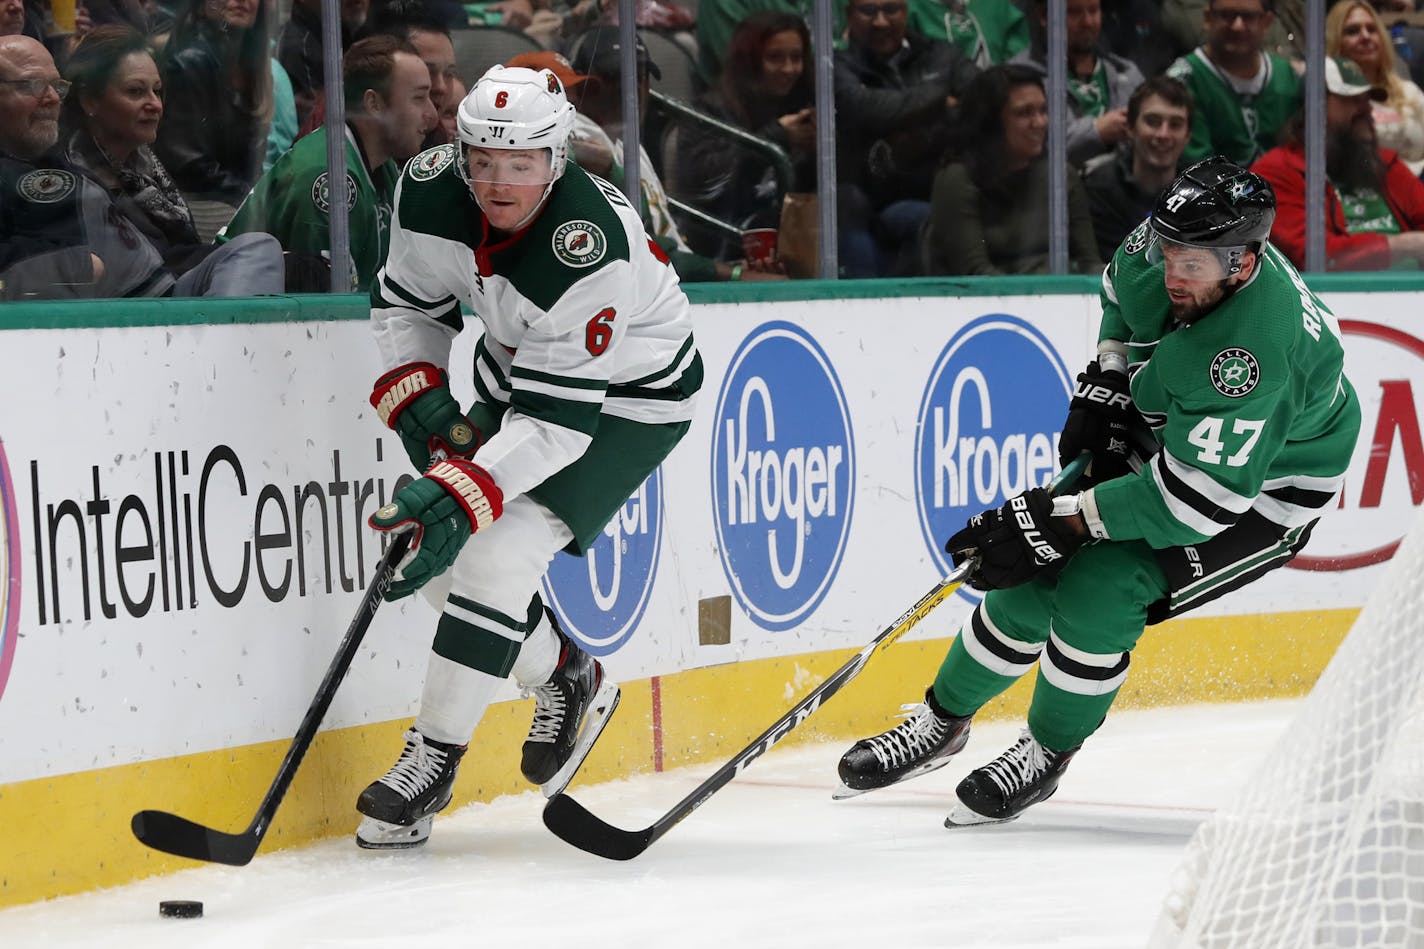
(511, 107)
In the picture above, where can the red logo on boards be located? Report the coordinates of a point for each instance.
(1388, 465)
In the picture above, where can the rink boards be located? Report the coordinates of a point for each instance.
(182, 501)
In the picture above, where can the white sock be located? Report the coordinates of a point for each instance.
(538, 656)
(453, 701)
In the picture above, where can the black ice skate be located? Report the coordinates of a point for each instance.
(1007, 786)
(924, 741)
(400, 806)
(570, 712)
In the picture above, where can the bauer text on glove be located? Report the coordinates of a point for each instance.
(1012, 544)
(1101, 418)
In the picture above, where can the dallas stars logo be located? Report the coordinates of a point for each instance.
(1235, 372)
(1138, 238)
(321, 192)
(1240, 189)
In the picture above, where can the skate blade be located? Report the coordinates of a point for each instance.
(600, 710)
(962, 816)
(379, 835)
(843, 791)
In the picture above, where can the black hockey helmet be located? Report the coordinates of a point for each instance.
(1216, 203)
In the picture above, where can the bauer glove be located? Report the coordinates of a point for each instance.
(455, 499)
(1101, 420)
(1015, 543)
(414, 401)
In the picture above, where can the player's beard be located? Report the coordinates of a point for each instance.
(1189, 312)
(1352, 156)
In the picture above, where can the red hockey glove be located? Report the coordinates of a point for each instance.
(414, 401)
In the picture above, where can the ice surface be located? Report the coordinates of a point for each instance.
(770, 861)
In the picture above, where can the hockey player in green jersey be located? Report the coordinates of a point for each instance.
(585, 379)
(1212, 347)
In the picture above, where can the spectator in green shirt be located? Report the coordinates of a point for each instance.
(389, 112)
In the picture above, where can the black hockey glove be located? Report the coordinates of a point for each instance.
(1013, 544)
(1101, 420)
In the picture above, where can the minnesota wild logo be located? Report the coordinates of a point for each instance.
(580, 243)
(431, 162)
(1235, 372)
(46, 185)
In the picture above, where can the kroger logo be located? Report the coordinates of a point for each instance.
(600, 596)
(9, 572)
(783, 472)
(988, 424)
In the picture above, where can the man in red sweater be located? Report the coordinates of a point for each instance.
(1374, 217)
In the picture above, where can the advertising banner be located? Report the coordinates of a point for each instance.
(182, 509)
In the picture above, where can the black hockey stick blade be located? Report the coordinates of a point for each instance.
(573, 823)
(184, 838)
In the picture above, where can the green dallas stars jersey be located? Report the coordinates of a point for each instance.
(1251, 403)
(292, 203)
(584, 320)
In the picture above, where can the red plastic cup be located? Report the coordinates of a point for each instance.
(759, 244)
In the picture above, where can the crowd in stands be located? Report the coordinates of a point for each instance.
(160, 147)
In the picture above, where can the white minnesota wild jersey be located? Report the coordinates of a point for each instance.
(583, 315)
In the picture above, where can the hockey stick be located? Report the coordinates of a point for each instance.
(184, 838)
(571, 822)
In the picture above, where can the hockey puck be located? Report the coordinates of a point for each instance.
(180, 909)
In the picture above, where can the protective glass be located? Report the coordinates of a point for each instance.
(1193, 262)
(491, 166)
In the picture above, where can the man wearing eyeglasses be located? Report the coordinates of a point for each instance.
(42, 246)
(1243, 95)
(61, 235)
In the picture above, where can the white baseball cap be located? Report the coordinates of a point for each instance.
(1344, 78)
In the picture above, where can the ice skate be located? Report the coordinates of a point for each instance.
(1007, 786)
(570, 712)
(400, 806)
(923, 742)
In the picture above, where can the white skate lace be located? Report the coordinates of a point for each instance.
(921, 731)
(550, 706)
(417, 768)
(1019, 766)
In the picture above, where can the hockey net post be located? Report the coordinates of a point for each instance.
(1324, 844)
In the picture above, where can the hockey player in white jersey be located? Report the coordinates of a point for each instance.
(585, 379)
